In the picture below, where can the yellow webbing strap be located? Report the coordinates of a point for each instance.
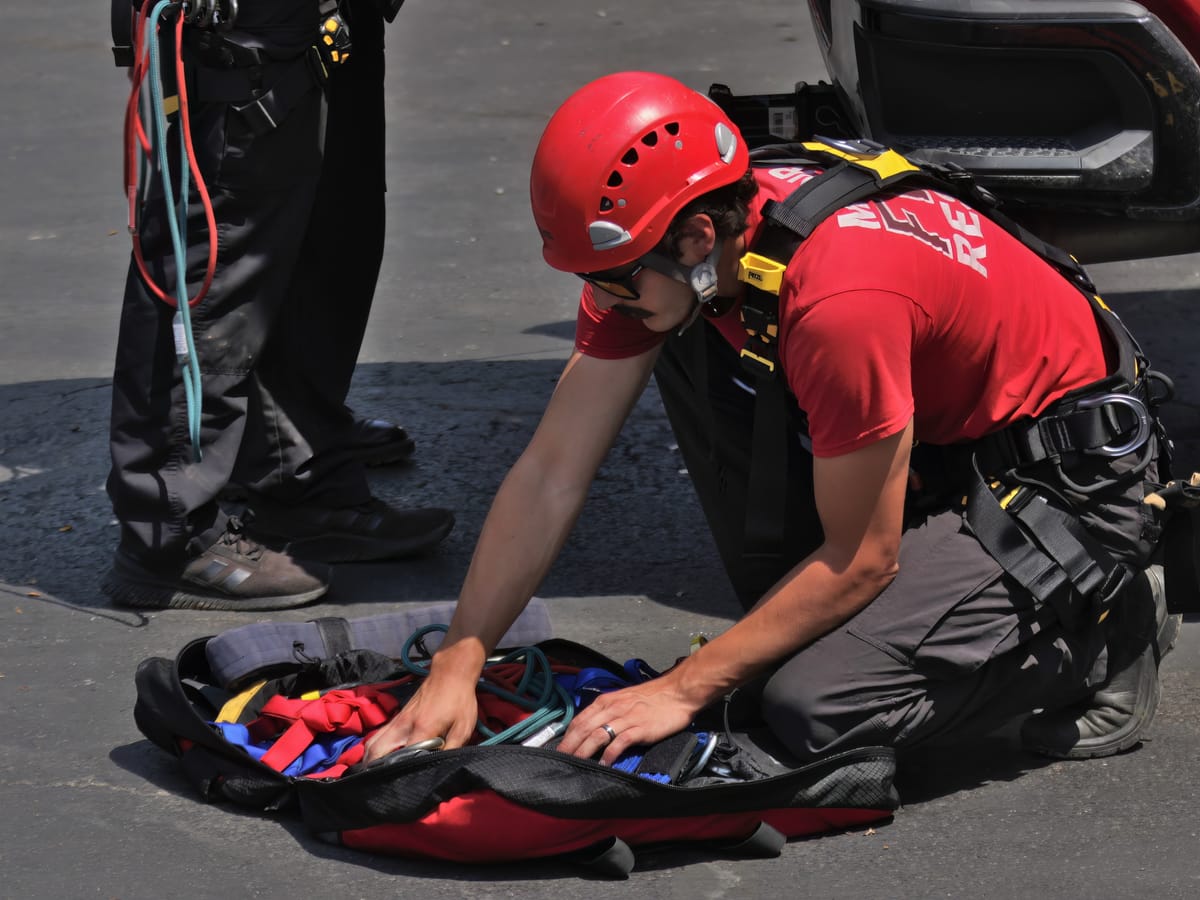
(233, 709)
(885, 165)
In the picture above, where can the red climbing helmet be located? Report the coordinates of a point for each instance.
(617, 162)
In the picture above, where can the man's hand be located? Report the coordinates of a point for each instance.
(442, 707)
(642, 714)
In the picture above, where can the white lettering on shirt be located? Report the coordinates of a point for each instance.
(860, 215)
(964, 223)
(792, 174)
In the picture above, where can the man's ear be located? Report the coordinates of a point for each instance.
(697, 237)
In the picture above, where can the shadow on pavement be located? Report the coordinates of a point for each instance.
(638, 533)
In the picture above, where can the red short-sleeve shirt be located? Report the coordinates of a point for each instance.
(911, 307)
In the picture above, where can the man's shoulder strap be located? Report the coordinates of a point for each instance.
(858, 170)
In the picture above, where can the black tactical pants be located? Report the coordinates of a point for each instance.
(300, 222)
(953, 646)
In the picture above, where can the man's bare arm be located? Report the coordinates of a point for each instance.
(860, 499)
(532, 514)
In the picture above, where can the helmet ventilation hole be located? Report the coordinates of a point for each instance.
(605, 204)
(615, 180)
(672, 128)
(650, 139)
(630, 157)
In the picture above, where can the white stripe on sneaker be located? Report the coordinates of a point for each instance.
(223, 574)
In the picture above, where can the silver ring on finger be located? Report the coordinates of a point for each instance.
(608, 729)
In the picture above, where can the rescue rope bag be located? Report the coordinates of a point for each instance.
(1025, 523)
(294, 742)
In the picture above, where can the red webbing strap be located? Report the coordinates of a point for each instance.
(341, 712)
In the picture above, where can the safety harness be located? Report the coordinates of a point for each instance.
(1024, 523)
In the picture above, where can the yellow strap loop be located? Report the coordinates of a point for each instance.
(884, 165)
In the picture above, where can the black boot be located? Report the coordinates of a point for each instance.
(378, 442)
(1117, 715)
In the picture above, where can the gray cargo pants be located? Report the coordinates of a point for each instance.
(953, 646)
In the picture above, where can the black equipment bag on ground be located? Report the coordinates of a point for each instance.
(508, 802)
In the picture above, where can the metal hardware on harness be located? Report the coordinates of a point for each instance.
(859, 146)
(216, 14)
(1136, 406)
(761, 324)
(196, 12)
(1144, 440)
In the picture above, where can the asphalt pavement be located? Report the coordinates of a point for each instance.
(469, 331)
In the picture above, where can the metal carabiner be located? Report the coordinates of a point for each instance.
(1137, 407)
(1143, 437)
(198, 12)
(226, 21)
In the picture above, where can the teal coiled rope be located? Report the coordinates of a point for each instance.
(536, 691)
(185, 345)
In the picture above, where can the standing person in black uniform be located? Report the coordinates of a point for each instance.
(292, 154)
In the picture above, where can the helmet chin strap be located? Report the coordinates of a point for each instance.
(702, 279)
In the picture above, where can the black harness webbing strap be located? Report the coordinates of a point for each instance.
(1092, 570)
(788, 223)
(1046, 551)
(766, 496)
(1052, 436)
(1014, 550)
(813, 202)
(122, 32)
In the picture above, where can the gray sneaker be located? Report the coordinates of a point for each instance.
(236, 572)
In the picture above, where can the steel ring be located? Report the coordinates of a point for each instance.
(608, 729)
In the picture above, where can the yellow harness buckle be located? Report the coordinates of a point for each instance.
(768, 364)
(765, 274)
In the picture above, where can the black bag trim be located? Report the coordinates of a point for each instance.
(831, 793)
